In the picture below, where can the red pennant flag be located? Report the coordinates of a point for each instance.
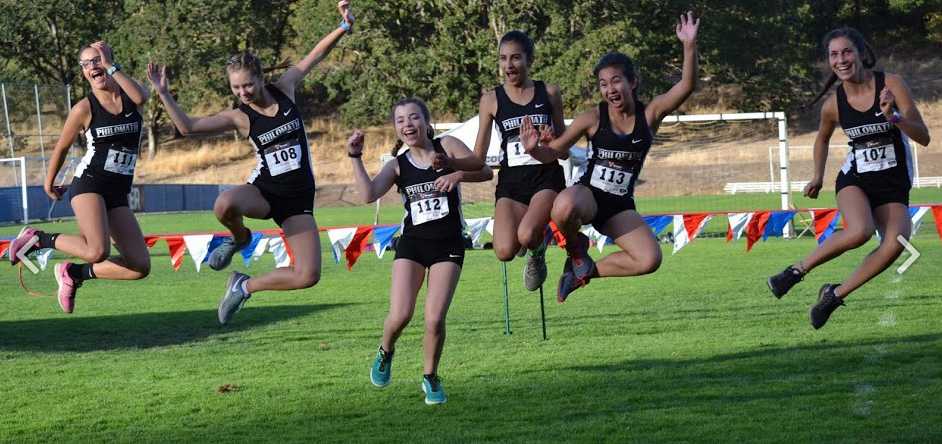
(151, 240)
(287, 247)
(756, 227)
(822, 219)
(177, 249)
(357, 245)
(558, 235)
(693, 223)
(4, 244)
(937, 215)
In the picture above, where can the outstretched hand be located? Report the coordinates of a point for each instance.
(355, 143)
(687, 28)
(344, 7)
(157, 74)
(441, 161)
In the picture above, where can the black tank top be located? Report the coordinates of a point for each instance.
(878, 149)
(430, 214)
(282, 153)
(510, 115)
(113, 142)
(614, 160)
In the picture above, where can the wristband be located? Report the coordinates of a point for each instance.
(114, 68)
(895, 118)
(354, 156)
(345, 26)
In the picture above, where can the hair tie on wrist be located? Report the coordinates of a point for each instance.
(355, 156)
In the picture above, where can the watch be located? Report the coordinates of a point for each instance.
(114, 68)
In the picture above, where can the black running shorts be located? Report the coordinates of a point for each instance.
(428, 252)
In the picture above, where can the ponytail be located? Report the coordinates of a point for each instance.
(868, 57)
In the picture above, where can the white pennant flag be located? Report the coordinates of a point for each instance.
(277, 248)
(490, 227)
(917, 218)
(738, 223)
(476, 228)
(198, 246)
(259, 250)
(43, 257)
(593, 234)
(682, 236)
(340, 238)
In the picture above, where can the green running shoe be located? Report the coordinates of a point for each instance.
(381, 373)
(434, 392)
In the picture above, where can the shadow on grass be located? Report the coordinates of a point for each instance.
(139, 330)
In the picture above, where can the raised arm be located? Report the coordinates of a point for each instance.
(821, 143)
(369, 189)
(135, 91)
(290, 79)
(487, 108)
(897, 95)
(456, 149)
(666, 103)
(79, 117)
(543, 147)
(224, 121)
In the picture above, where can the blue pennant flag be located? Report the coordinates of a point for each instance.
(777, 222)
(250, 248)
(382, 237)
(658, 223)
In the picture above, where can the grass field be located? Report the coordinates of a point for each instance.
(697, 352)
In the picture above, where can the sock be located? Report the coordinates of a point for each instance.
(245, 289)
(46, 240)
(387, 354)
(430, 377)
(81, 272)
(595, 272)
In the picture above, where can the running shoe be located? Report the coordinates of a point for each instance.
(582, 264)
(568, 282)
(534, 274)
(434, 392)
(67, 287)
(26, 237)
(381, 373)
(784, 281)
(827, 303)
(234, 298)
(221, 257)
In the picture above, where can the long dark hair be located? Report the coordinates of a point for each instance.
(522, 39)
(425, 113)
(867, 57)
(621, 61)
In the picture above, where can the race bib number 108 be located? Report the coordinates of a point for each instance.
(283, 158)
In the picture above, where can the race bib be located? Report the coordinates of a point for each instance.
(516, 156)
(874, 155)
(121, 161)
(283, 157)
(428, 209)
(611, 178)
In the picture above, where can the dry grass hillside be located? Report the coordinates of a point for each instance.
(693, 158)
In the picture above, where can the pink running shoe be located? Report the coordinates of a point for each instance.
(26, 237)
(67, 287)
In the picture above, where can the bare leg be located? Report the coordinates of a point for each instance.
(532, 227)
(234, 203)
(134, 259)
(442, 281)
(892, 220)
(640, 251)
(305, 242)
(507, 216)
(407, 277)
(573, 207)
(855, 209)
(92, 244)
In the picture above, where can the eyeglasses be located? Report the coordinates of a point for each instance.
(90, 62)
